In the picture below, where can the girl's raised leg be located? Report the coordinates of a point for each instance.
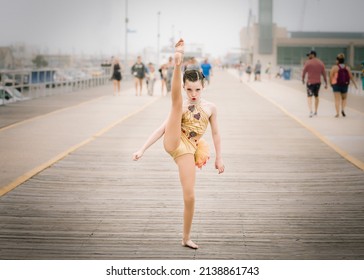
(172, 136)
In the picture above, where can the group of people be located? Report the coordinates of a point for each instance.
(166, 71)
(339, 78)
(248, 70)
(141, 72)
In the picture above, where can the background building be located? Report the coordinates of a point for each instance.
(266, 41)
(7, 59)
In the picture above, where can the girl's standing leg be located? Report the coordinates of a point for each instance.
(187, 175)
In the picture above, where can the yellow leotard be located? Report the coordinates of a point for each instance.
(193, 126)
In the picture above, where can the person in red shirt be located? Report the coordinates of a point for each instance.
(314, 68)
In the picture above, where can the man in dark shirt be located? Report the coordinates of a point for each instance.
(257, 71)
(138, 70)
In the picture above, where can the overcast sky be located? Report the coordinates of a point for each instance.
(98, 26)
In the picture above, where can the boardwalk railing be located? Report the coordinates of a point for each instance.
(34, 83)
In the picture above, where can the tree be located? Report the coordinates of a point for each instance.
(39, 61)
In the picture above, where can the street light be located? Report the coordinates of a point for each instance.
(126, 34)
(158, 37)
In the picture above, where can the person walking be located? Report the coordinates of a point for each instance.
(170, 67)
(151, 78)
(268, 70)
(191, 64)
(183, 131)
(257, 71)
(314, 68)
(240, 68)
(248, 71)
(163, 75)
(206, 70)
(362, 75)
(138, 70)
(340, 77)
(116, 76)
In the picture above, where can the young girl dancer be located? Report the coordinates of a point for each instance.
(182, 132)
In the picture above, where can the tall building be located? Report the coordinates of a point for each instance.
(265, 38)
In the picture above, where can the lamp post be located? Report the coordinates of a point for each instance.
(126, 34)
(158, 38)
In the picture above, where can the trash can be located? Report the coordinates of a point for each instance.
(287, 74)
(362, 74)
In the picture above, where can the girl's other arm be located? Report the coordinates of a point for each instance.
(219, 165)
(154, 137)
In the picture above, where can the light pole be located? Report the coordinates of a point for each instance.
(126, 34)
(158, 38)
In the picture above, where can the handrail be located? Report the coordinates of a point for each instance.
(35, 83)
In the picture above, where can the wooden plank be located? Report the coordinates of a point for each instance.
(285, 194)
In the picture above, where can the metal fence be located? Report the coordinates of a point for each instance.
(35, 83)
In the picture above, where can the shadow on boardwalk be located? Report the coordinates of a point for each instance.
(285, 194)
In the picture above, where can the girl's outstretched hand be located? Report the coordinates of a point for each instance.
(219, 165)
(179, 51)
(137, 155)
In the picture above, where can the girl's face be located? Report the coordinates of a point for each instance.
(193, 90)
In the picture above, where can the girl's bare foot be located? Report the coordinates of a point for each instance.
(190, 244)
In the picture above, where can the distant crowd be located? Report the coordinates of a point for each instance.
(148, 73)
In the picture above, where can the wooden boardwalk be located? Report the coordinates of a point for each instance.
(285, 194)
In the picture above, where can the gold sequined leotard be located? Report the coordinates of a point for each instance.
(193, 126)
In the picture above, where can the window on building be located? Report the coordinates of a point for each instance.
(358, 57)
(296, 56)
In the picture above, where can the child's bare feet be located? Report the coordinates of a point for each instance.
(190, 244)
(179, 51)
